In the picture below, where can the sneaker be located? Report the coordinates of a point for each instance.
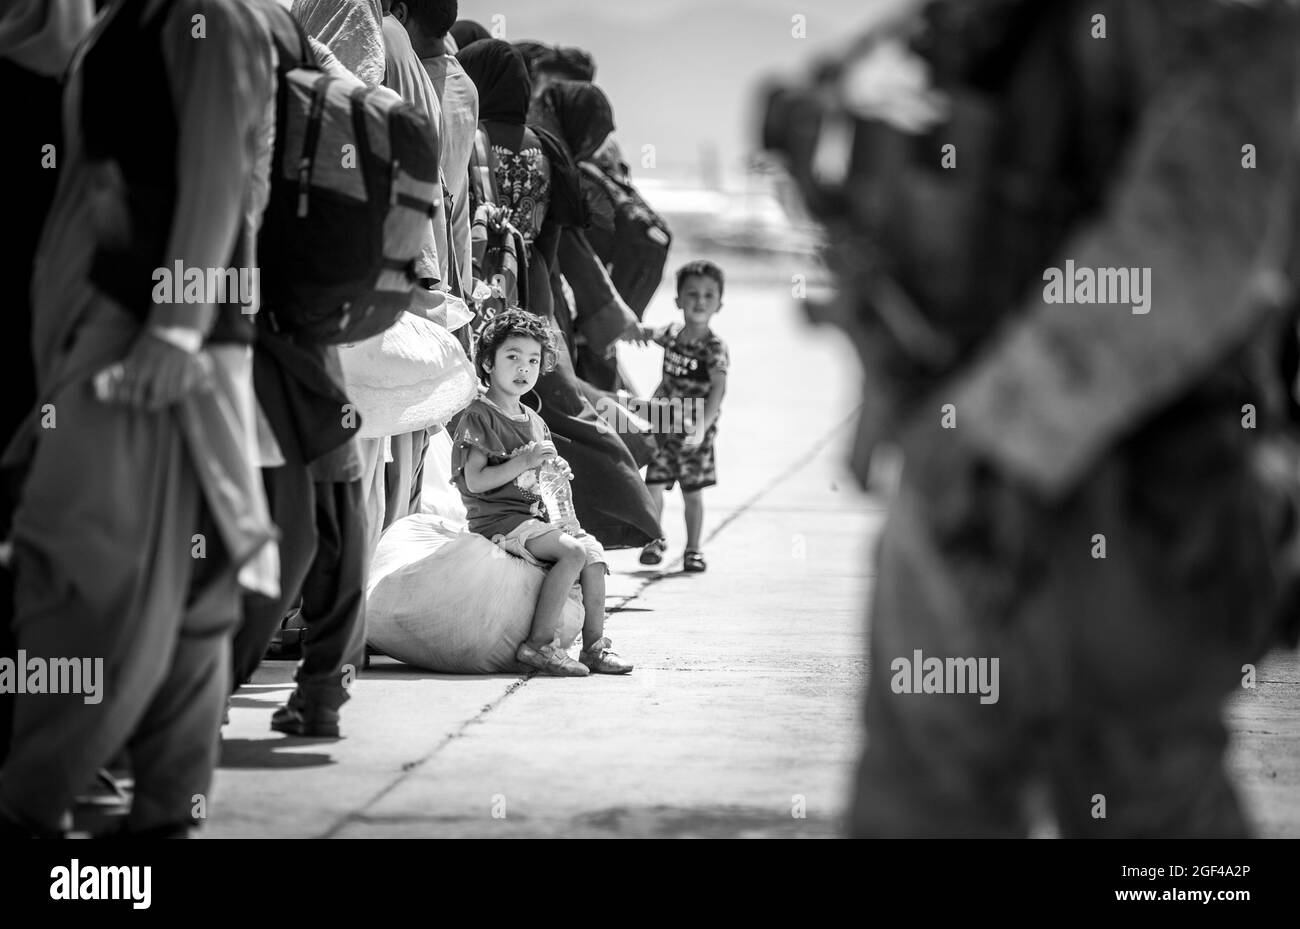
(601, 660)
(653, 553)
(550, 659)
(301, 718)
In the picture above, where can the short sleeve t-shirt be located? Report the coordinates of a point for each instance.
(490, 429)
(689, 366)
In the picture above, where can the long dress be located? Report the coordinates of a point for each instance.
(611, 500)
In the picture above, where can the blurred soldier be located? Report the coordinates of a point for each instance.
(1066, 233)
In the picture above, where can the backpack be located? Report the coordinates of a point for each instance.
(636, 249)
(500, 255)
(353, 180)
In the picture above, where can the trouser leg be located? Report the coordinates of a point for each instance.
(935, 764)
(291, 494)
(104, 559)
(403, 474)
(333, 596)
(174, 748)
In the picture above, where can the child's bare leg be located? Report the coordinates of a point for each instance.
(568, 557)
(694, 518)
(657, 497)
(593, 602)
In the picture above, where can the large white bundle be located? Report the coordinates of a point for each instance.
(448, 600)
(412, 376)
(438, 495)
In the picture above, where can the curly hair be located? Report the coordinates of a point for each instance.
(507, 325)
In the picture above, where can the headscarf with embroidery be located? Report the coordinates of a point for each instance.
(497, 70)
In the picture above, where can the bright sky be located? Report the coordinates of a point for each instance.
(684, 74)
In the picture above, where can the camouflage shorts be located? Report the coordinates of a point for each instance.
(693, 466)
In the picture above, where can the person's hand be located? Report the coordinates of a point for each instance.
(564, 467)
(638, 333)
(155, 374)
(537, 454)
(495, 217)
(427, 298)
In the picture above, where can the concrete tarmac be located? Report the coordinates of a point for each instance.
(742, 716)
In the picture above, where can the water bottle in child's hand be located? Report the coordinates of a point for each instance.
(558, 495)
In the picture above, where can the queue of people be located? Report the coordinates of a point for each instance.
(185, 472)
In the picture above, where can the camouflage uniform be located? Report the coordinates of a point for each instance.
(1076, 431)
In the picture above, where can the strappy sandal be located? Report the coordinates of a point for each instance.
(653, 553)
(693, 562)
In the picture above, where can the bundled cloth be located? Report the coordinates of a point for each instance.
(445, 599)
(351, 30)
(412, 376)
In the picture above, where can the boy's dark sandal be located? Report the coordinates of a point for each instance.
(653, 553)
(298, 717)
(694, 562)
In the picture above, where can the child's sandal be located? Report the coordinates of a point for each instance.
(653, 553)
(693, 562)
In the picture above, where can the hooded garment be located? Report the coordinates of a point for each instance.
(574, 63)
(498, 71)
(533, 54)
(466, 31)
(579, 114)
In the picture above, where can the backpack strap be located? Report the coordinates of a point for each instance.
(521, 278)
(310, 138)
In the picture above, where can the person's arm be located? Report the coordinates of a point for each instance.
(1213, 239)
(640, 332)
(221, 83)
(717, 390)
(480, 477)
(602, 314)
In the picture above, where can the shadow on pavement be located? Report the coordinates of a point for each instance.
(265, 753)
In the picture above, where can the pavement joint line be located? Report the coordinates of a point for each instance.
(410, 767)
(748, 504)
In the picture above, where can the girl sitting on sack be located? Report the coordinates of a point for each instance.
(500, 447)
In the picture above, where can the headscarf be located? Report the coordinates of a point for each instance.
(575, 64)
(577, 112)
(465, 31)
(498, 72)
(533, 53)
